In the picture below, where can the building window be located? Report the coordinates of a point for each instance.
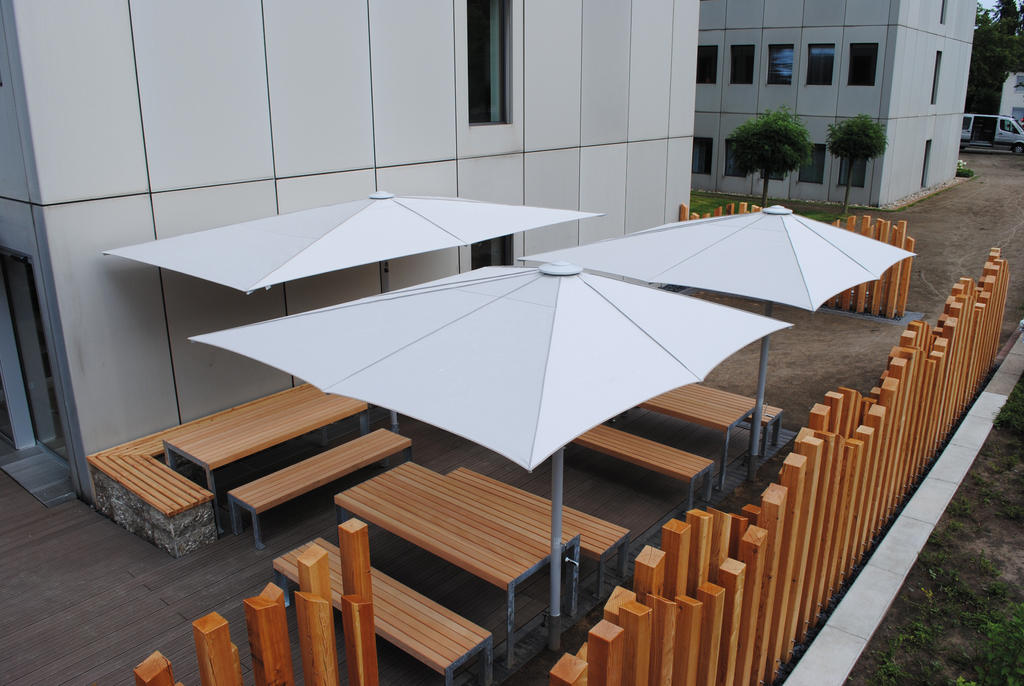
(942, 13)
(814, 170)
(820, 59)
(707, 64)
(935, 75)
(780, 65)
(863, 60)
(489, 253)
(742, 67)
(730, 161)
(924, 167)
(859, 172)
(701, 156)
(1020, 82)
(487, 24)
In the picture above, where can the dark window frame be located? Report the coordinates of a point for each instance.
(859, 62)
(704, 74)
(745, 69)
(778, 75)
(485, 107)
(815, 73)
(860, 173)
(814, 170)
(704, 159)
(730, 169)
(935, 76)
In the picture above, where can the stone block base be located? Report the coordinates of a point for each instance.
(178, 535)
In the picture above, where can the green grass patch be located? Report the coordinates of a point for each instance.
(1011, 416)
(702, 203)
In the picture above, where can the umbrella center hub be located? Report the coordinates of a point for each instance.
(777, 209)
(381, 195)
(560, 269)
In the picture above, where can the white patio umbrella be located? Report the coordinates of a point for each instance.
(264, 252)
(521, 361)
(772, 255)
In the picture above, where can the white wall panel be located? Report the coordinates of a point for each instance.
(774, 96)
(854, 100)
(13, 173)
(421, 179)
(817, 127)
(820, 100)
(712, 14)
(677, 177)
(830, 13)
(783, 13)
(605, 89)
(708, 96)
(730, 184)
(81, 101)
(741, 97)
(208, 378)
(684, 68)
(552, 179)
(868, 12)
(553, 36)
(646, 165)
(650, 67)
(318, 67)
(304, 192)
(112, 316)
(603, 189)
(744, 14)
(491, 179)
(706, 125)
(411, 48)
(489, 139)
(16, 229)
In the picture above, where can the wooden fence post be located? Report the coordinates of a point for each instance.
(354, 544)
(314, 574)
(684, 212)
(635, 619)
(663, 638)
(793, 478)
(649, 574)
(619, 597)
(686, 656)
(155, 670)
(267, 627)
(713, 598)
(721, 528)
(568, 671)
(360, 641)
(751, 553)
(216, 654)
(773, 518)
(700, 549)
(675, 541)
(606, 645)
(731, 576)
(315, 622)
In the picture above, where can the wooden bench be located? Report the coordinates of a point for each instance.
(598, 539)
(285, 484)
(431, 633)
(715, 409)
(658, 457)
(180, 514)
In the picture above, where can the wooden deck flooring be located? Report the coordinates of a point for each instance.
(85, 601)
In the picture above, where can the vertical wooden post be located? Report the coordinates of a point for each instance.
(354, 544)
(568, 671)
(813, 449)
(721, 528)
(793, 477)
(686, 656)
(905, 266)
(360, 641)
(700, 549)
(315, 623)
(216, 654)
(606, 645)
(773, 518)
(731, 576)
(684, 212)
(619, 597)
(314, 574)
(737, 527)
(663, 639)
(267, 626)
(752, 554)
(636, 620)
(649, 574)
(713, 598)
(675, 541)
(155, 670)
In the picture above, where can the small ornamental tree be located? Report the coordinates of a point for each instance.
(774, 144)
(860, 138)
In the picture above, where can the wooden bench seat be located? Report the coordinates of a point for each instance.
(285, 484)
(431, 633)
(154, 482)
(599, 539)
(658, 457)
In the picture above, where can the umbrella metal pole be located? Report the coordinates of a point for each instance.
(555, 616)
(755, 418)
(385, 286)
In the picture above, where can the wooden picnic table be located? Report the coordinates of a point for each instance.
(435, 513)
(252, 427)
(713, 408)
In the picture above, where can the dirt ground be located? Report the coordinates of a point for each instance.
(954, 230)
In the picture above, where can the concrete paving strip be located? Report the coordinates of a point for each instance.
(832, 655)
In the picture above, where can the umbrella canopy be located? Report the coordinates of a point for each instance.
(772, 255)
(519, 360)
(263, 252)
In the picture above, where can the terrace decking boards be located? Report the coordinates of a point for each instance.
(112, 598)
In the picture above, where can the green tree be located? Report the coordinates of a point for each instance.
(774, 144)
(998, 50)
(860, 138)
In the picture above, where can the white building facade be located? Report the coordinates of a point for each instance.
(121, 122)
(1012, 102)
(903, 62)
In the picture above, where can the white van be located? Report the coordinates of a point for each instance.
(990, 131)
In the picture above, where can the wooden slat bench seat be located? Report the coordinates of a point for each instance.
(154, 482)
(599, 539)
(658, 457)
(431, 633)
(285, 484)
(715, 409)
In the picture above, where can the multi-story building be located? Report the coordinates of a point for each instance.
(122, 121)
(903, 62)
(1012, 102)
